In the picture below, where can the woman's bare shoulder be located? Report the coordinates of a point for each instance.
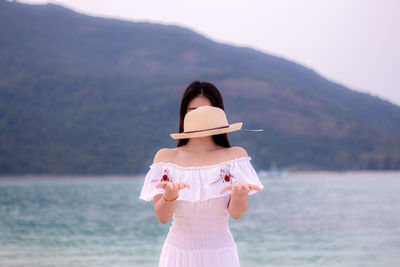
(237, 152)
(164, 155)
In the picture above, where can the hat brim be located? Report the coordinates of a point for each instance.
(231, 128)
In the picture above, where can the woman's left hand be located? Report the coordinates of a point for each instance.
(240, 190)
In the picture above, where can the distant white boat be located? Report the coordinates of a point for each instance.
(273, 172)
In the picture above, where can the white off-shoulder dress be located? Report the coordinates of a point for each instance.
(199, 234)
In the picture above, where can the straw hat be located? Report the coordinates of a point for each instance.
(206, 121)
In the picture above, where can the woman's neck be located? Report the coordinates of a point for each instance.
(201, 144)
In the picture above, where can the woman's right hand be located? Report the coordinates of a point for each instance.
(172, 188)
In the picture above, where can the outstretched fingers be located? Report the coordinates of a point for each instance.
(183, 185)
(226, 188)
(254, 187)
(244, 187)
(173, 186)
(179, 186)
(237, 187)
(161, 185)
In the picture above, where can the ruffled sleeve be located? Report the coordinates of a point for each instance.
(242, 171)
(153, 177)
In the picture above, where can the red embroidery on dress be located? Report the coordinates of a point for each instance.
(227, 178)
(224, 176)
(165, 177)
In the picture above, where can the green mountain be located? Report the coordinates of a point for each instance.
(88, 95)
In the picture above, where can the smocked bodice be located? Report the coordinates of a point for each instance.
(200, 225)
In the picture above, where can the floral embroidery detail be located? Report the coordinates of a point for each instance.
(165, 177)
(224, 177)
(227, 178)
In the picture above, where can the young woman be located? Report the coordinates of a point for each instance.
(200, 183)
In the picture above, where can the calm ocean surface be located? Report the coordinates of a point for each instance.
(320, 219)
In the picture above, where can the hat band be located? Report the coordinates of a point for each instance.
(198, 131)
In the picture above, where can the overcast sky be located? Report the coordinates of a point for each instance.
(352, 42)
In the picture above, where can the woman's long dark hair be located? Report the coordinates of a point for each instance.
(208, 90)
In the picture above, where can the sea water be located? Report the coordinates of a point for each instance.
(306, 219)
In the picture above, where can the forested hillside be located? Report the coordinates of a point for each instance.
(87, 95)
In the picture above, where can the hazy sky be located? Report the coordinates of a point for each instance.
(352, 42)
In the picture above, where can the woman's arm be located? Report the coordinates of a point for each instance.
(162, 209)
(238, 203)
(164, 204)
